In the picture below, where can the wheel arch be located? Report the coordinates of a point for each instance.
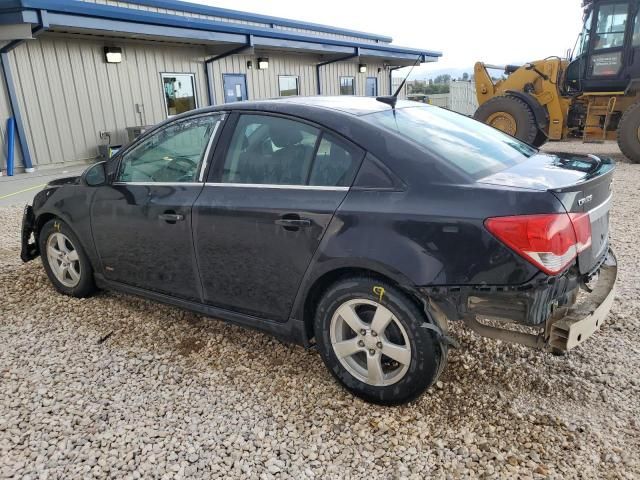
(539, 112)
(43, 217)
(307, 301)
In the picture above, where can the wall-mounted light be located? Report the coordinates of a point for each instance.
(263, 63)
(249, 64)
(113, 54)
(362, 68)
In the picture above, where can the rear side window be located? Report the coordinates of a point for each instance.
(335, 163)
(271, 150)
(471, 146)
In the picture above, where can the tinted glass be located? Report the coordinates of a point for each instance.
(335, 163)
(270, 150)
(472, 146)
(612, 21)
(171, 155)
(288, 86)
(636, 31)
(347, 86)
(179, 92)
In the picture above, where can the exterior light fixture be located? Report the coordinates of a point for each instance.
(113, 54)
(263, 63)
(362, 68)
(249, 64)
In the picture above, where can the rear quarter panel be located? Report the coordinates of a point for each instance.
(431, 236)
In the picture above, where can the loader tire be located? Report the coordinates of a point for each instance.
(629, 133)
(511, 115)
(540, 139)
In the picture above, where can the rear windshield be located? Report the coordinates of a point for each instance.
(475, 148)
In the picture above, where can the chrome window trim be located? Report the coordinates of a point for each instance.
(161, 184)
(203, 167)
(275, 186)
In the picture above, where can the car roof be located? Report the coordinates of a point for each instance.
(344, 103)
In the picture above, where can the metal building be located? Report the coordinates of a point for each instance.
(81, 74)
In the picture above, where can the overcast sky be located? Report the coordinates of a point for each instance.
(495, 31)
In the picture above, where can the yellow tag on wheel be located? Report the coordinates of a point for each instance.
(379, 291)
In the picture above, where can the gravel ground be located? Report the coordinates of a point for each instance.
(171, 394)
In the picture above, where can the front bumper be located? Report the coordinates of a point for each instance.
(29, 250)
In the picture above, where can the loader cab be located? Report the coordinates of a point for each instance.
(607, 53)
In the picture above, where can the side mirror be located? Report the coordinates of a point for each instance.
(95, 175)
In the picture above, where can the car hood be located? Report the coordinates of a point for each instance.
(549, 171)
(64, 181)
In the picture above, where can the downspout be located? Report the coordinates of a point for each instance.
(42, 26)
(356, 53)
(207, 62)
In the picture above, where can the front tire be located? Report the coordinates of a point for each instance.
(510, 115)
(629, 133)
(377, 342)
(65, 261)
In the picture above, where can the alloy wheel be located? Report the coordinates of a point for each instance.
(370, 342)
(63, 259)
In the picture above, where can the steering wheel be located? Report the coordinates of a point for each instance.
(183, 165)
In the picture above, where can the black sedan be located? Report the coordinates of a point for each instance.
(348, 224)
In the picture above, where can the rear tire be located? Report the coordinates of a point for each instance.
(629, 133)
(512, 116)
(390, 365)
(65, 261)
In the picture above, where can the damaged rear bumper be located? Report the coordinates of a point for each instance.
(584, 318)
(558, 318)
(29, 249)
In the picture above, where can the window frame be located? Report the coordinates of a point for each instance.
(353, 84)
(595, 25)
(164, 95)
(297, 78)
(205, 161)
(214, 177)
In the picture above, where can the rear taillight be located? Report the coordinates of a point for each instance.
(549, 241)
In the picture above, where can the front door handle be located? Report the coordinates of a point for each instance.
(171, 217)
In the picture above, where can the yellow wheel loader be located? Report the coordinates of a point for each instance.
(595, 95)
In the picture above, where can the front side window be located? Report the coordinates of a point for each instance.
(612, 21)
(179, 92)
(347, 86)
(287, 86)
(471, 146)
(172, 154)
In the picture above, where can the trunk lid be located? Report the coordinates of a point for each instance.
(582, 183)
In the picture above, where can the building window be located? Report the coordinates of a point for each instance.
(347, 86)
(179, 92)
(288, 86)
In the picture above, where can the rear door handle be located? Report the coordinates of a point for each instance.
(293, 222)
(171, 217)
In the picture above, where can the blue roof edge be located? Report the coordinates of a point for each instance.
(89, 9)
(255, 17)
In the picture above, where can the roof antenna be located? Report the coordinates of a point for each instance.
(393, 99)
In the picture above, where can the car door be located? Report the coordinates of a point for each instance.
(262, 214)
(141, 222)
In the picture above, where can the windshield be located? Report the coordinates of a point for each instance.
(475, 148)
